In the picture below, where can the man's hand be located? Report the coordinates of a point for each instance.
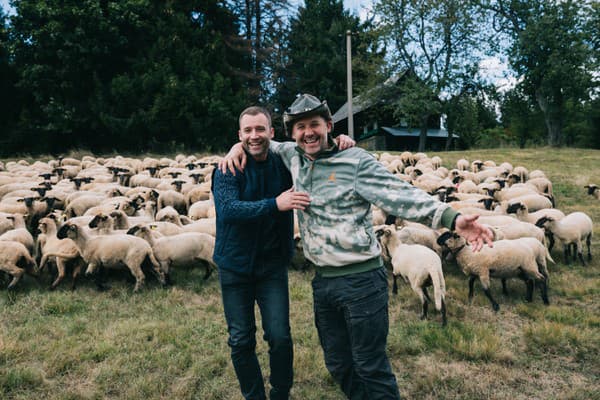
(473, 232)
(292, 200)
(235, 159)
(344, 142)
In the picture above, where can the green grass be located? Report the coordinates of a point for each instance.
(172, 343)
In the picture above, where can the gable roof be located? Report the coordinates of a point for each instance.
(437, 133)
(362, 102)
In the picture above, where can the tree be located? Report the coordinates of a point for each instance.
(262, 24)
(437, 41)
(127, 75)
(315, 58)
(8, 94)
(551, 50)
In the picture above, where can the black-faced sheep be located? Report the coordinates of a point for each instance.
(418, 265)
(507, 259)
(112, 251)
(571, 230)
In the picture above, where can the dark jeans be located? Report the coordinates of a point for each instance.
(351, 314)
(268, 287)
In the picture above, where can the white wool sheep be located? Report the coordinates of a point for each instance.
(48, 242)
(15, 260)
(112, 251)
(571, 230)
(507, 259)
(418, 265)
(179, 250)
(19, 233)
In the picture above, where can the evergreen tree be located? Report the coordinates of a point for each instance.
(127, 75)
(315, 60)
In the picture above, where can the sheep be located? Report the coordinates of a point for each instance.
(534, 202)
(424, 236)
(202, 209)
(593, 190)
(19, 233)
(518, 229)
(521, 172)
(112, 251)
(571, 229)
(507, 259)
(182, 249)
(15, 260)
(173, 199)
(48, 242)
(523, 214)
(418, 265)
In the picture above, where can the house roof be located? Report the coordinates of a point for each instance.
(439, 133)
(362, 102)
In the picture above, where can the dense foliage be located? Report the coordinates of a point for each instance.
(148, 75)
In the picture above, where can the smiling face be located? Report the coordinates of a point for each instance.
(255, 134)
(310, 134)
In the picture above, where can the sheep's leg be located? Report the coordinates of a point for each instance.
(208, 271)
(550, 241)
(16, 273)
(395, 285)
(566, 254)
(60, 266)
(165, 266)
(100, 277)
(136, 271)
(471, 284)
(485, 283)
(444, 319)
(420, 292)
(76, 272)
(544, 291)
(529, 293)
(588, 241)
(580, 252)
(504, 290)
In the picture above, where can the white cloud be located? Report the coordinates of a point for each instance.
(495, 70)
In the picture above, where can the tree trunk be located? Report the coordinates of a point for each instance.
(552, 118)
(423, 134)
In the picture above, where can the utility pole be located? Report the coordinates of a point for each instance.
(349, 83)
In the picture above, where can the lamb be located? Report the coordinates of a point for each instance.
(178, 250)
(534, 202)
(173, 199)
(15, 260)
(424, 236)
(48, 242)
(593, 190)
(112, 251)
(418, 265)
(523, 214)
(19, 233)
(202, 209)
(507, 259)
(518, 229)
(572, 229)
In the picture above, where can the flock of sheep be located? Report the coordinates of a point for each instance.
(151, 215)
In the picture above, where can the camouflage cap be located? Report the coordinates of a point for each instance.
(305, 105)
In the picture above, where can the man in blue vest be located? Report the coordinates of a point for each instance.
(253, 250)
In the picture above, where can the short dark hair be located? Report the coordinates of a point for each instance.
(256, 110)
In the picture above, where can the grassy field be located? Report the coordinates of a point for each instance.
(171, 343)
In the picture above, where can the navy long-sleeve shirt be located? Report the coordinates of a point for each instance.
(250, 228)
